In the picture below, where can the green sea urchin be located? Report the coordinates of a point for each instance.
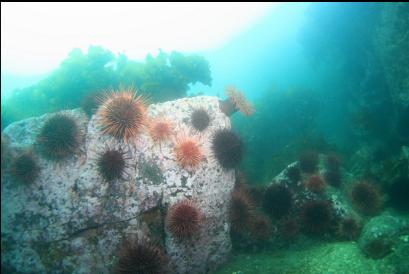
(91, 102)
(200, 119)
(24, 168)
(59, 137)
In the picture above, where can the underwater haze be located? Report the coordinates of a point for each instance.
(224, 138)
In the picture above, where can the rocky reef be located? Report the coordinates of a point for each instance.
(74, 218)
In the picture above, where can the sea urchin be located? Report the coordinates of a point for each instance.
(242, 211)
(184, 219)
(349, 228)
(316, 217)
(315, 183)
(59, 137)
(366, 198)
(112, 163)
(278, 200)
(188, 152)
(160, 130)
(227, 148)
(24, 168)
(141, 258)
(90, 103)
(123, 115)
(200, 119)
(261, 227)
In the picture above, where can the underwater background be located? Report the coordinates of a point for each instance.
(329, 83)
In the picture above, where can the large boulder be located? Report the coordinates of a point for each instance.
(381, 235)
(71, 220)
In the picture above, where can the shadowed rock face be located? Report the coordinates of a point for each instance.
(71, 220)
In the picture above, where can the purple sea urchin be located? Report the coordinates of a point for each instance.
(278, 200)
(316, 217)
(112, 163)
(142, 258)
(227, 148)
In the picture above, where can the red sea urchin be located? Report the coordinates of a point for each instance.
(316, 184)
(241, 210)
(188, 152)
(142, 258)
(161, 130)
(261, 227)
(366, 198)
(184, 219)
(123, 115)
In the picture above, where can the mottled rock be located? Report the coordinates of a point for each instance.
(381, 234)
(301, 193)
(70, 220)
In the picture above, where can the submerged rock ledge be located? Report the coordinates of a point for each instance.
(71, 220)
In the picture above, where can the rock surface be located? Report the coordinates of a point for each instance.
(381, 234)
(321, 258)
(70, 220)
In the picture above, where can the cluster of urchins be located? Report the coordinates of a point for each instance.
(300, 204)
(123, 115)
